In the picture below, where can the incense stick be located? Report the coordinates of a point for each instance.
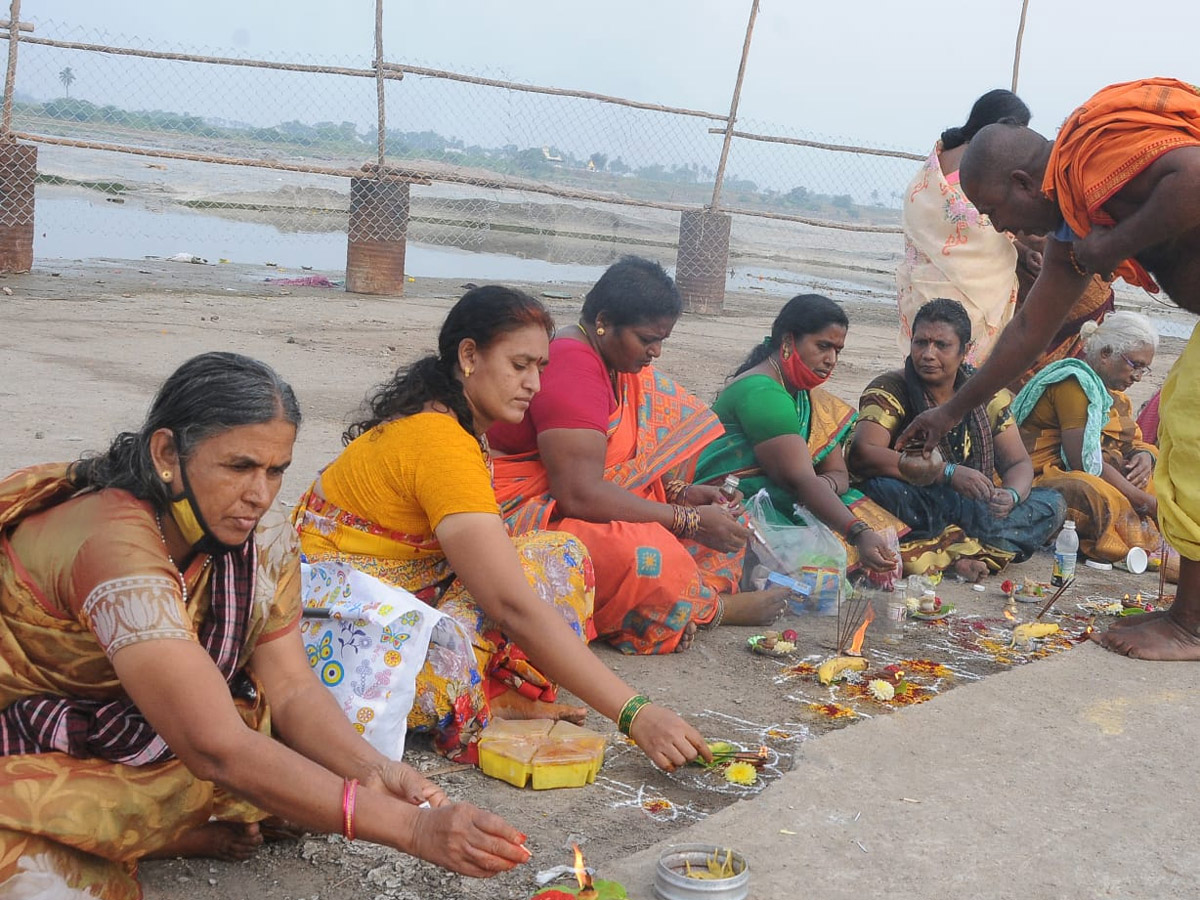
(1162, 573)
(855, 606)
(1054, 597)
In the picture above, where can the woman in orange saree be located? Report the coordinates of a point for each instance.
(604, 453)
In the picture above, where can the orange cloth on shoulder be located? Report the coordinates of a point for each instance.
(1108, 141)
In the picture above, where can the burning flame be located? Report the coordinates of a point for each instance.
(857, 641)
(581, 873)
(1008, 614)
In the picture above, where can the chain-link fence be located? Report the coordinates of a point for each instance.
(154, 150)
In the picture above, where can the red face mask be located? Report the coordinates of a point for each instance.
(794, 370)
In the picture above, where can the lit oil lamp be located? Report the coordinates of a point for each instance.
(587, 889)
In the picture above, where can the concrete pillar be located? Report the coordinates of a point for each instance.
(377, 235)
(18, 174)
(702, 260)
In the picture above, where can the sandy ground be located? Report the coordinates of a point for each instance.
(84, 347)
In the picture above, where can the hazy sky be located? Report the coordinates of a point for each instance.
(881, 71)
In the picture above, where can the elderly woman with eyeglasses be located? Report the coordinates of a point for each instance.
(1078, 426)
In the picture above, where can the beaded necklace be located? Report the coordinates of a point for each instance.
(162, 536)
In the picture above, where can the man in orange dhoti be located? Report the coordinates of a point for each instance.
(1118, 192)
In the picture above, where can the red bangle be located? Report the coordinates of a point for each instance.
(349, 800)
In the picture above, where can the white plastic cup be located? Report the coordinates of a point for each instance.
(1136, 560)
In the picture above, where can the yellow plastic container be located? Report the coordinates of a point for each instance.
(548, 753)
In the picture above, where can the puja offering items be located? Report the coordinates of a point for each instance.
(1031, 631)
(1029, 591)
(928, 603)
(701, 872)
(918, 469)
(832, 669)
(587, 889)
(741, 766)
(771, 644)
(548, 753)
(1135, 607)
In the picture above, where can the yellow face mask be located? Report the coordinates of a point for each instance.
(185, 518)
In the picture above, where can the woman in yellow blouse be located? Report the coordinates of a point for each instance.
(410, 501)
(1078, 427)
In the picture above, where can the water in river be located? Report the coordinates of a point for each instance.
(69, 226)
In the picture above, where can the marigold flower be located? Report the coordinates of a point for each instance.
(741, 773)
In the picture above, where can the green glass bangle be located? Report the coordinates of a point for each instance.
(629, 712)
(1015, 495)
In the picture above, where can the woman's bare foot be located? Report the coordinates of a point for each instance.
(755, 607)
(971, 570)
(687, 638)
(229, 841)
(513, 705)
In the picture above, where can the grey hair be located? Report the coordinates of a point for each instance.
(207, 395)
(1120, 332)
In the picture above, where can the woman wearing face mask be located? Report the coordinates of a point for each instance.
(979, 514)
(783, 432)
(155, 696)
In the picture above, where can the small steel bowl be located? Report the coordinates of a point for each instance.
(670, 882)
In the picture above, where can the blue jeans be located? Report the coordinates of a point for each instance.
(929, 510)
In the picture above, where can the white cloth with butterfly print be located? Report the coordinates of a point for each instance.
(370, 649)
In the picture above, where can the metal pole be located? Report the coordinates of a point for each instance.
(1020, 36)
(733, 107)
(10, 74)
(381, 116)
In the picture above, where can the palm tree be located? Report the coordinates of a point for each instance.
(67, 77)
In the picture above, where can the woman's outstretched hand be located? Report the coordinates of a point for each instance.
(874, 552)
(704, 494)
(667, 739)
(720, 530)
(405, 783)
(466, 839)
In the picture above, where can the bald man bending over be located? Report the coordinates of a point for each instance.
(1118, 193)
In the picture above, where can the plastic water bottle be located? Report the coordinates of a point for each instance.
(1066, 549)
(895, 611)
(729, 490)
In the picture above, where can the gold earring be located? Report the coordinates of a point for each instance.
(467, 372)
(600, 330)
(166, 475)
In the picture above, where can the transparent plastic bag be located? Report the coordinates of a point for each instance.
(807, 558)
(886, 581)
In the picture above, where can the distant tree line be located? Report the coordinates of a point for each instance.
(550, 163)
